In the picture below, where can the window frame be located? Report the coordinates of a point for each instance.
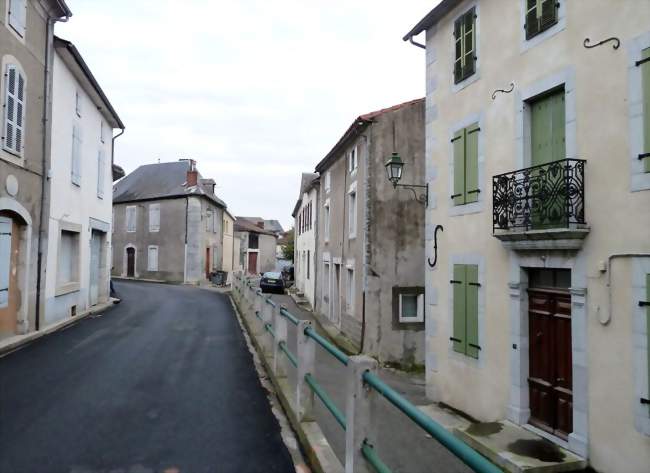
(135, 218)
(16, 29)
(74, 283)
(149, 265)
(101, 174)
(418, 293)
(154, 208)
(75, 156)
(638, 116)
(350, 289)
(352, 211)
(17, 154)
(460, 19)
(327, 216)
(328, 181)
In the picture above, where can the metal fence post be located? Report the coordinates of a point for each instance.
(280, 328)
(306, 355)
(266, 312)
(359, 413)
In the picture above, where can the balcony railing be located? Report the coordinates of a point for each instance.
(548, 196)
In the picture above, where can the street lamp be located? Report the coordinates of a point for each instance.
(394, 167)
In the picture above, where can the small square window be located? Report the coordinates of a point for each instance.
(411, 305)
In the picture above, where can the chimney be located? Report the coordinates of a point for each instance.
(192, 175)
(260, 224)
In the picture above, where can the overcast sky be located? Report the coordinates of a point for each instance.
(256, 91)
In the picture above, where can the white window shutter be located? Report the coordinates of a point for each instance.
(101, 175)
(18, 16)
(130, 218)
(14, 115)
(76, 157)
(152, 259)
(5, 260)
(154, 217)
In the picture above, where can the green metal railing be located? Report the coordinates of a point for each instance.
(464, 452)
(322, 341)
(371, 456)
(292, 318)
(327, 401)
(285, 349)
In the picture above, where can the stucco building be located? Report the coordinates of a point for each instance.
(80, 188)
(167, 224)
(537, 145)
(257, 246)
(26, 34)
(370, 236)
(305, 215)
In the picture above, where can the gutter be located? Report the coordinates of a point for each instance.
(47, 131)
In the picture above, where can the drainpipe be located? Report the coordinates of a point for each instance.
(49, 39)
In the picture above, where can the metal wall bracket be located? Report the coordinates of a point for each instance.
(435, 246)
(503, 91)
(616, 45)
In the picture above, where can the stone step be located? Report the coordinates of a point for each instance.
(517, 449)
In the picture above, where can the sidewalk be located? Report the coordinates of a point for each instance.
(401, 443)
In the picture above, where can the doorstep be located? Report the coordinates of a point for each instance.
(517, 449)
(9, 344)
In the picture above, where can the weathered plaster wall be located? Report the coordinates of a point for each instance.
(306, 242)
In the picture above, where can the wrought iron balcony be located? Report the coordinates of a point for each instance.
(546, 197)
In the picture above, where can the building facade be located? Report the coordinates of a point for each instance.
(305, 216)
(536, 308)
(78, 247)
(25, 95)
(257, 247)
(370, 238)
(167, 224)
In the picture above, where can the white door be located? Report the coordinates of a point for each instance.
(95, 249)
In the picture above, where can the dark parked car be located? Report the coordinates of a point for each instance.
(272, 282)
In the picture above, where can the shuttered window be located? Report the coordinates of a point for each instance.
(75, 166)
(68, 264)
(465, 306)
(540, 16)
(465, 144)
(5, 260)
(154, 217)
(645, 73)
(18, 16)
(130, 218)
(208, 221)
(465, 46)
(14, 111)
(152, 258)
(101, 174)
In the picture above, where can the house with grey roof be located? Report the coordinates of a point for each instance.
(167, 224)
(273, 226)
(257, 246)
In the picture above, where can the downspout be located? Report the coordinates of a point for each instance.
(49, 38)
(366, 244)
(187, 206)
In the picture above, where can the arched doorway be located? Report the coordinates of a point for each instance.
(9, 291)
(130, 262)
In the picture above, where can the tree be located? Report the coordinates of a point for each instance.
(287, 244)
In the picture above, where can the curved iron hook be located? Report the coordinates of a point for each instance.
(435, 246)
(616, 45)
(505, 91)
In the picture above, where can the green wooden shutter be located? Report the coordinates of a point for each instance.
(548, 129)
(558, 126)
(548, 14)
(471, 310)
(459, 167)
(459, 285)
(645, 71)
(471, 163)
(532, 24)
(458, 56)
(647, 298)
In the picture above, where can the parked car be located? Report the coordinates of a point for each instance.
(272, 282)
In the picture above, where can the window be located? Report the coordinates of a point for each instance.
(152, 258)
(154, 217)
(68, 267)
(465, 144)
(253, 241)
(130, 218)
(349, 295)
(215, 222)
(465, 310)
(101, 131)
(411, 307)
(5, 260)
(308, 263)
(18, 16)
(101, 165)
(327, 220)
(326, 282)
(14, 111)
(540, 16)
(352, 160)
(328, 181)
(75, 167)
(77, 103)
(208, 221)
(465, 42)
(645, 72)
(352, 213)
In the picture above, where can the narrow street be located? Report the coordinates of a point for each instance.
(163, 382)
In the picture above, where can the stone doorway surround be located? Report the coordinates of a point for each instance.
(518, 410)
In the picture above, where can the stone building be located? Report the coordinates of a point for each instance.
(257, 246)
(167, 224)
(305, 216)
(371, 236)
(538, 161)
(26, 35)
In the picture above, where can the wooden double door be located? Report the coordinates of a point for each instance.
(550, 379)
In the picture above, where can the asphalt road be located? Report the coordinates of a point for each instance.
(162, 382)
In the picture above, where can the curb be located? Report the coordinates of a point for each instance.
(19, 341)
